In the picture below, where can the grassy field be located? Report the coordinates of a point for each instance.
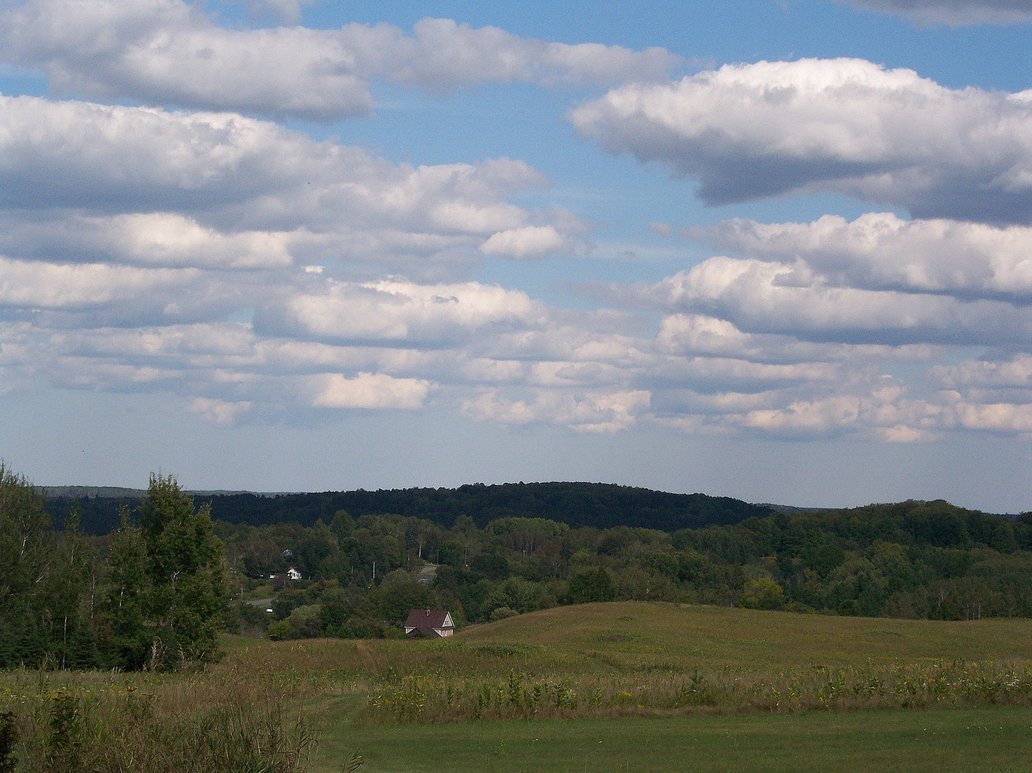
(633, 634)
(622, 686)
(986, 739)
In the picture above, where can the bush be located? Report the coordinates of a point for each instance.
(762, 593)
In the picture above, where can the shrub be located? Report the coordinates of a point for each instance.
(762, 593)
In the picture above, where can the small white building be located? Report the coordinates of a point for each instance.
(290, 574)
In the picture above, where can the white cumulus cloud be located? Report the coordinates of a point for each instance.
(599, 412)
(884, 252)
(59, 286)
(369, 391)
(221, 412)
(218, 190)
(397, 311)
(843, 125)
(529, 241)
(763, 296)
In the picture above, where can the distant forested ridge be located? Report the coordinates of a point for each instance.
(575, 504)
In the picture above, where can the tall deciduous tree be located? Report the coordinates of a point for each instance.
(126, 638)
(70, 599)
(46, 583)
(26, 558)
(186, 576)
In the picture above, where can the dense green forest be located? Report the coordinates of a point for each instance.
(575, 504)
(484, 553)
(911, 559)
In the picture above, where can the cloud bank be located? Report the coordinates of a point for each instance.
(218, 190)
(196, 246)
(170, 52)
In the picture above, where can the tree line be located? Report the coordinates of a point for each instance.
(152, 594)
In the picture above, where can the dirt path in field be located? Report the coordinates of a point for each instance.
(367, 655)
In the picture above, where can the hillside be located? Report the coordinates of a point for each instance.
(635, 637)
(575, 504)
(640, 636)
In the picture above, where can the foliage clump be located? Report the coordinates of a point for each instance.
(149, 596)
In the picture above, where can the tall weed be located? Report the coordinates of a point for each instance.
(233, 720)
(435, 698)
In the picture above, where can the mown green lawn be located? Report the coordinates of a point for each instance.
(983, 739)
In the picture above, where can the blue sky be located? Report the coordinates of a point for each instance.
(777, 250)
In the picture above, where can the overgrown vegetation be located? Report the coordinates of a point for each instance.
(239, 720)
(629, 659)
(431, 698)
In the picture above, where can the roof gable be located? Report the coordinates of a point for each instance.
(427, 620)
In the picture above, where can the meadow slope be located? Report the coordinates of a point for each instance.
(617, 686)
